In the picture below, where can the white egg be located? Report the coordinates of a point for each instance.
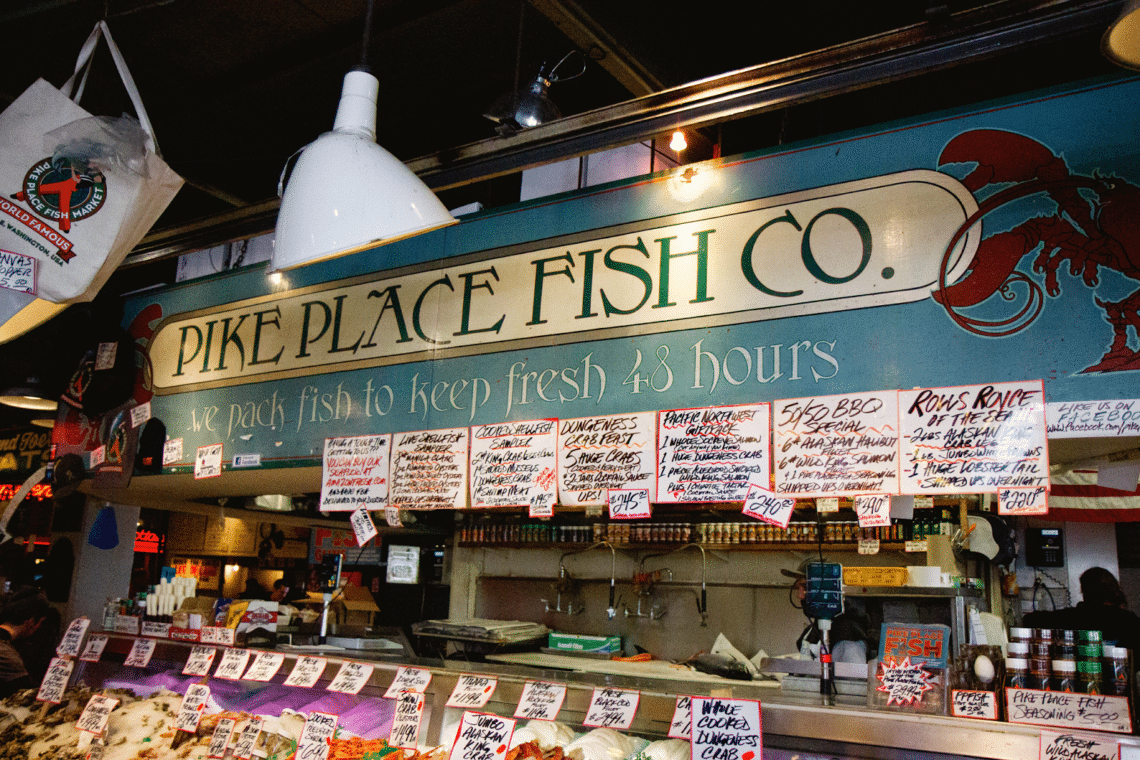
(984, 669)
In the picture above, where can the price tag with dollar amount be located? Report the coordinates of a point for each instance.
(190, 712)
(200, 661)
(141, 652)
(408, 679)
(94, 717)
(406, 721)
(612, 708)
(351, 677)
(472, 691)
(482, 736)
(540, 700)
(55, 680)
(306, 671)
(768, 507)
(73, 638)
(319, 730)
(681, 726)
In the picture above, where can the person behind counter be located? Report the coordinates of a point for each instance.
(21, 616)
(1102, 608)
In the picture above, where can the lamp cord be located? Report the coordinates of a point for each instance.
(368, 9)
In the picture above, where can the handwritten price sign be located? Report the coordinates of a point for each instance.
(612, 708)
(629, 504)
(726, 729)
(17, 272)
(408, 679)
(141, 652)
(363, 526)
(472, 691)
(208, 461)
(1070, 746)
(482, 736)
(768, 507)
(406, 721)
(94, 649)
(220, 741)
(873, 510)
(94, 717)
(233, 664)
(319, 730)
(306, 672)
(55, 680)
(73, 638)
(540, 700)
(966, 703)
(351, 677)
(264, 666)
(199, 661)
(681, 727)
(1023, 501)
(190, 713)
(903, 682)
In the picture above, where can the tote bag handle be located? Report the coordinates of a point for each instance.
(82, 65)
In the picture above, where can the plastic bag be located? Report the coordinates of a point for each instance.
(104, 143)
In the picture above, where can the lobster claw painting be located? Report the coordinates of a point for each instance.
(1094, 227)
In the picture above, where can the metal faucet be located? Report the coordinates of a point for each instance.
(643, 586)
(611, 610)
(702, 600)
(565, 585)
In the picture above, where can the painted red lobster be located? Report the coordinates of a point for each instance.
(1090, 232)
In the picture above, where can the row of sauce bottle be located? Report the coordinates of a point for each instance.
(1068, 661)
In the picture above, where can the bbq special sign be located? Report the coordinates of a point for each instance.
(826, 249)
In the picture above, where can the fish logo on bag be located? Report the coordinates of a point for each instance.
(63, 190)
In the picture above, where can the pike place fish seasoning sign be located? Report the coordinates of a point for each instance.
(482, 736)
(540, 700)
(612, 708)
(472, 691)
(726, 729)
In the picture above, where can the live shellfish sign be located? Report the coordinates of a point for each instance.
(838, 445)
(973, 438)
(597, 454)
(429, 469)
(710, 454)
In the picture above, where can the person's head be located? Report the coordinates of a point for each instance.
(1099, 586)
(24, 612)
(280, 590)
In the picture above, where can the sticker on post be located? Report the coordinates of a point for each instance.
(766, 506)
(405, 731)
(541, 505)
(873, 510)
(540, 700)
(55, 680)
(1023, 501)
(408, 679)
(208, 461)
(17, 272)
(246, 460)
(94, 717)
(392, 517)
(363, 526)
(264, 666)
(681, 726)
(73, 638)
(98, 456)
(351, 677)
(233, 664)
(200, 661)
(472, 691)
(726, 724)
(190, 712)
(141, 652)
(629, 504)
(306, 671)
(105, 355)
(482, 736)
(612, 708)
(94, 649)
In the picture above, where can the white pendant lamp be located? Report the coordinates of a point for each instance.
(346, 193)
(1121, 43)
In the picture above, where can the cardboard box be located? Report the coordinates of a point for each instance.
(575, 642)
(359, 606)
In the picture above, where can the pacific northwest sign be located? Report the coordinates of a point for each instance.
(852, 245)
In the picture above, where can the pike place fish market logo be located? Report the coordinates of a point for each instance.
(63, 190)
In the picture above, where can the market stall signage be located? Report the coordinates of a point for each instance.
(190, 711)
(873, 510)
(612, 708)
(429, 469)
(711, 454)
(318, 732)
(596, 454)
(969, 703)
(247, 739)
(409, 712)
(726, 729)
(55, 680)
(94, 649)
(827, 504)
(354, 473)
(218, 634)
(629, 504)
(767, 506)
(1023, 501)
(95, 715)
(1093, 419)
(1072, 711)
(351, 678)
(220, 741)
(681, 726)
(837, 445)
(200, 660)
(868, 546)
(128, 624)
(408, 679)
(306, 671)
(903, 681)
(540, 700)
(156, 630)
(18, 272)
(264, 666)
(208, 461)
(1072, 746)
(482, 736)
(233, 664)
(73, 638)
(141, 652)
(472, 691)
(513, 464)
(362, 526)
(973, 438)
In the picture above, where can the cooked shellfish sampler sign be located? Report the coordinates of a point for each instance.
(709, 455)
(513, 464)
(973, 438)
(725, 729)
(837, 445)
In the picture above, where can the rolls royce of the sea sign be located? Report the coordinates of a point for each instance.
(853, 245)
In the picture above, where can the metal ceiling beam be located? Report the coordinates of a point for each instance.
(970, 36)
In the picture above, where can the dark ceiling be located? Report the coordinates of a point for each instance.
(234, 87)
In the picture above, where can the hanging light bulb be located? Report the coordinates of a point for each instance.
(530, 106)
(678, 142)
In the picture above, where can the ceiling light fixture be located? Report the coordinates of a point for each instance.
(346, 193)
(678, 143)
(30, 394)
(530, 106)
(1121, 42)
